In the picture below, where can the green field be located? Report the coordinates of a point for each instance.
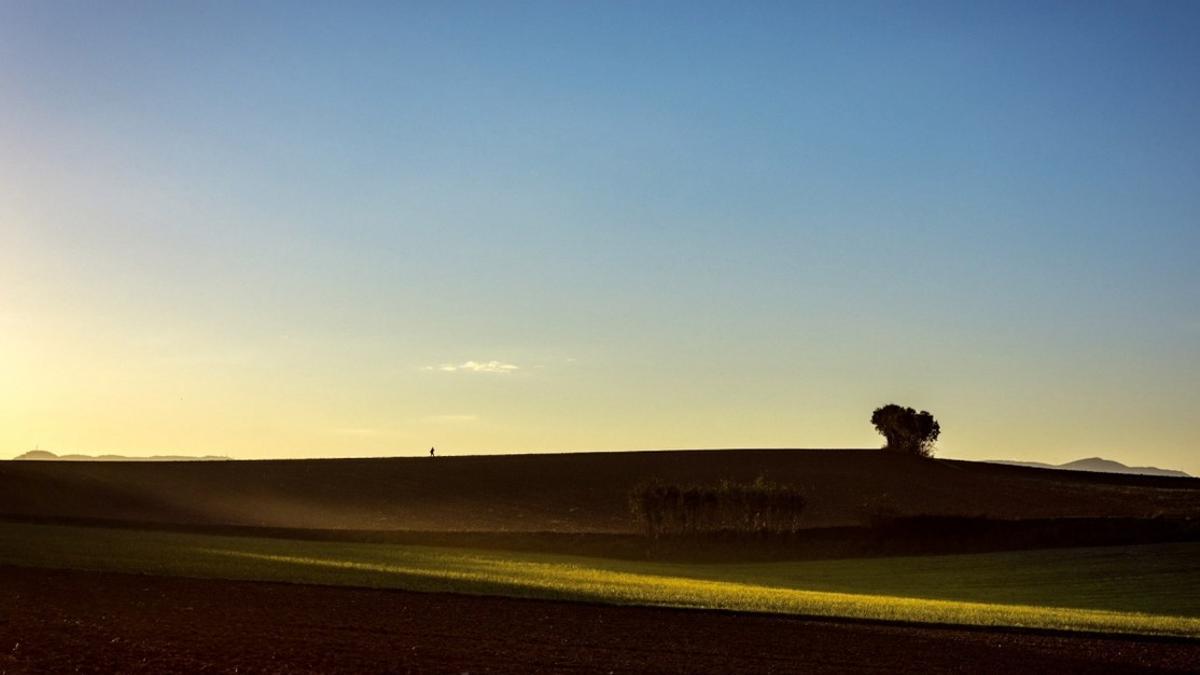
(1136, 589)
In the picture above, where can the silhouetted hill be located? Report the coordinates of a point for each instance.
(1099, 465)
(575, 492)
(46, 455)
(37, 454)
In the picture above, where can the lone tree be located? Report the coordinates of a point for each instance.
(906, 430)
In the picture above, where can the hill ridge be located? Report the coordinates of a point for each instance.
(47, 456)
(569, 492)
(1098, 465)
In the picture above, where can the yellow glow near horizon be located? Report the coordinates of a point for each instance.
(82, 377)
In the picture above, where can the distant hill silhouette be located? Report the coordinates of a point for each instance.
(1099, 465)
(47, 455)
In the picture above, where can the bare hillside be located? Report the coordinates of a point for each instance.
(581, 492)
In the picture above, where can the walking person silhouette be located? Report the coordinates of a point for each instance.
(431, 452)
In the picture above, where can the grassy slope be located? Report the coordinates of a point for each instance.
(584, 492)
(1148, 589)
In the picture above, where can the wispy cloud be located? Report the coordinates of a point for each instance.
(496, 367)
(452, 419)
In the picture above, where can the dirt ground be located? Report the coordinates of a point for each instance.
(565, 493)
(68, 622)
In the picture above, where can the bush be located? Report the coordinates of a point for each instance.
(758, 507)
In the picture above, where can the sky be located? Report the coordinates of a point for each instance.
(344, 229)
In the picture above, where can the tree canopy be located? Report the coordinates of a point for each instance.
(906, 430)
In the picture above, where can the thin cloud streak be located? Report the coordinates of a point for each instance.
(494, 367)
(452, 419)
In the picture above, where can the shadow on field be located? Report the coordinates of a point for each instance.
(924, 535)
(908, 535)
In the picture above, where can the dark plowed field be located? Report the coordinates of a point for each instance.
(60, 621)
(583, 492)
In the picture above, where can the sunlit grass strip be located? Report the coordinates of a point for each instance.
(582, 583)
(766, 587)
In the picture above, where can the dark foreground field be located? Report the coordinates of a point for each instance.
(66, 621)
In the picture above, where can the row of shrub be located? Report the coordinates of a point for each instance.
(758, 507)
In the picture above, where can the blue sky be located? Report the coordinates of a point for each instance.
(684, 224)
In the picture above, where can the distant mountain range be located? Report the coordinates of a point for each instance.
(47, 455)
(1100, 465)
